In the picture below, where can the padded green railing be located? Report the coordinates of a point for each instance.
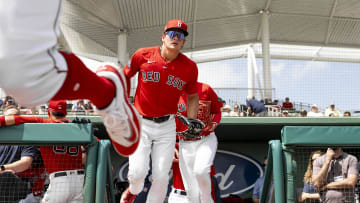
(276, 165)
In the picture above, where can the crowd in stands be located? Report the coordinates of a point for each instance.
(269, 108)
(79, 107)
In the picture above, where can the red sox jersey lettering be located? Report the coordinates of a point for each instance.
(175, 82)
(159, 89)
(151, 76)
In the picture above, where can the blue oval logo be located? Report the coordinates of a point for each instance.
(236, 173)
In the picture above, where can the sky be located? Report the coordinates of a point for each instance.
(308, 82)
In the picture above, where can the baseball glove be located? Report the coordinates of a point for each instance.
(194, 129)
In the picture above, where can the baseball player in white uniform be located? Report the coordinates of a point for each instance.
(196, 156)
(164, 74)
(34, 71)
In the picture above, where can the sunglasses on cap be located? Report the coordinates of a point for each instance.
(172, 34)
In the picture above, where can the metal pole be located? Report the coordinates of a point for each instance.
(266, 52)
(251, 78)
(123, 55)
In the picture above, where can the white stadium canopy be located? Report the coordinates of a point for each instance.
(219, 29)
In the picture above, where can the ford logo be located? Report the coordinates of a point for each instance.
(235, 173)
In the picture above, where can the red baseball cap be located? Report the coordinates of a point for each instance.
(58, 106)
(177, 23)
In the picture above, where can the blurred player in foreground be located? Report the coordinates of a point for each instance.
(34, 71)
(63, 163)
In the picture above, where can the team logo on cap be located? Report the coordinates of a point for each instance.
(179, 23)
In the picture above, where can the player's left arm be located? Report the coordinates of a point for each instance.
(192, 93)
(192, 105)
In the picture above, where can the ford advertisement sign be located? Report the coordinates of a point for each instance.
(235, 173)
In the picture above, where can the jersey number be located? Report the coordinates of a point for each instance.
(72, 151)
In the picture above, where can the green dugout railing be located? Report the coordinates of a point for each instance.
(98, 166)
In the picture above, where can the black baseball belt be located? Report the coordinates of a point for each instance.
(157, 119)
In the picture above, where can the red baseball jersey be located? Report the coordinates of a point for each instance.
(160, 83)
(56, 158)
(209, 107)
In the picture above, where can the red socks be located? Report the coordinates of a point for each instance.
(82, 83)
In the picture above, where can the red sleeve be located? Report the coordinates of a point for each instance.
(191, 86)
(26, 119)
(132, 68)
(2, 121)
(215, 104)
(217, 118)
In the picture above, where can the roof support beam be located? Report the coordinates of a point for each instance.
(266, 53)
(193, 42)
(330, 22)
(122, 53)
(267, 6)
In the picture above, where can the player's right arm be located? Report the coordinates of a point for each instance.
(16, 120)
(132, 68)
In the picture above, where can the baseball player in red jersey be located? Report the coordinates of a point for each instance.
(63, 163)
(196, 156)
(178, 193)
(29, 32)
(164, 74)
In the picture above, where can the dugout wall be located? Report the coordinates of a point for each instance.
(98, 174)
(288, 159)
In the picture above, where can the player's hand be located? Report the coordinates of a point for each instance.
(330, 153)
(211, 127)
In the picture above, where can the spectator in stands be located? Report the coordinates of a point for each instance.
(287, 104)
(309, 193)
(89, 107)
(268, 101)
(226, 111)
(314, 111)
(285, 114)
(276, 102)
(335, 175)
(255, 108)
(17, 159)
(258, 186)
(332, 110)
(235, 112)
(79, 107)
(1, 103)
(9, 101)
(303, 113)
(347, 114)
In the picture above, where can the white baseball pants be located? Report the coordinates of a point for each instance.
(195, 160)
(157, 140)
(65, 189)
(175, 197)
(31, 68)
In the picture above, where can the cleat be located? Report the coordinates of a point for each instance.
(120, 118)
(127, 197)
